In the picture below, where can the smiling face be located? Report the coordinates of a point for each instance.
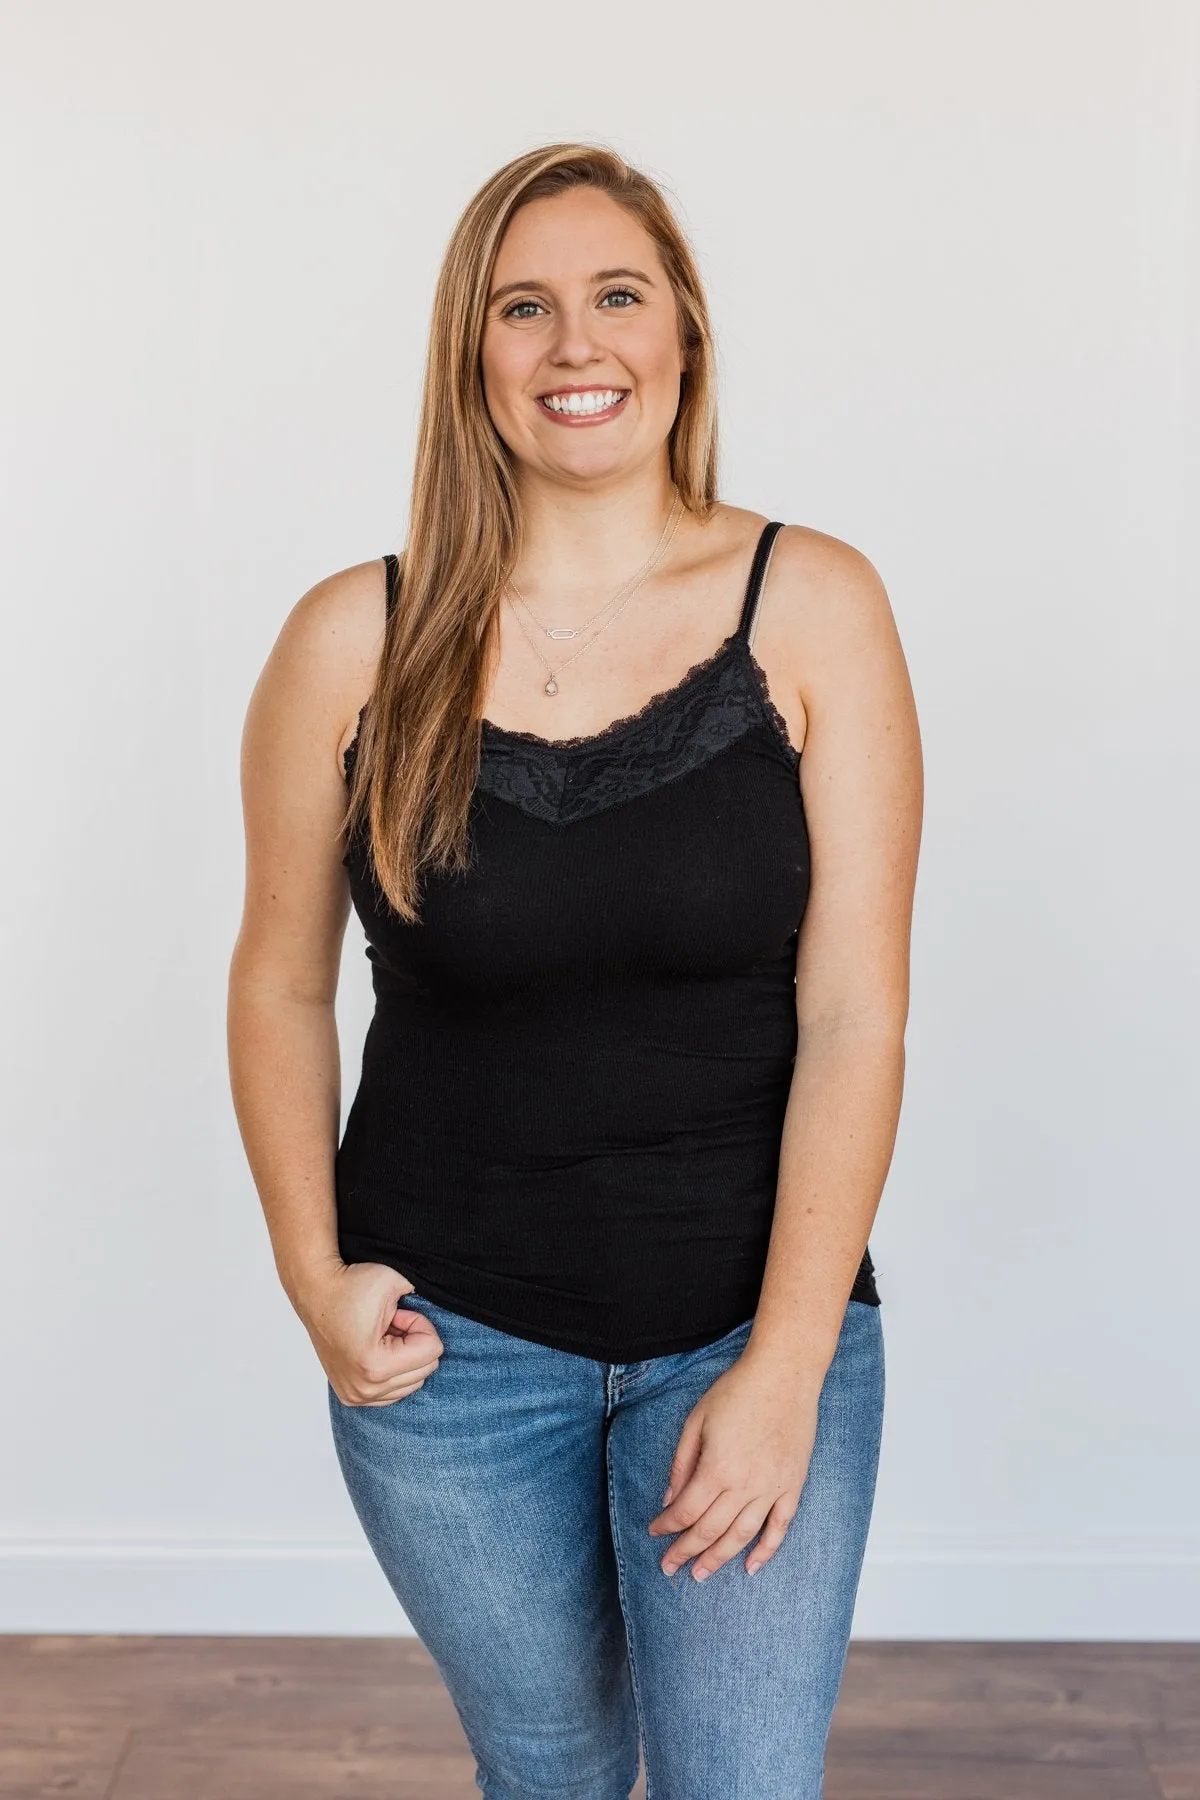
(581, 357)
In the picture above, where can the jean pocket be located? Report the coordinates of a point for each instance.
(418, 1303)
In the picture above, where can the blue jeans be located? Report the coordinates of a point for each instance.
(507, 1501)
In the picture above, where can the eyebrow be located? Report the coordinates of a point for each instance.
(512, 287)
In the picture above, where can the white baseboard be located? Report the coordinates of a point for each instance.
(222, 1587)
(1050, 1595)
(253, 1588)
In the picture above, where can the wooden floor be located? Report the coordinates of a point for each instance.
(368, 1719)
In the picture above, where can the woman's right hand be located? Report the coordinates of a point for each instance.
(373, 1350)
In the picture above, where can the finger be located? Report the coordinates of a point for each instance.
(393, 1362)
(745, 1526)
(383, 1392)
(689, 1505)
(412, 1325)
(706, 1530)
(417, 1338)
(408, 1360)
(393, 1395)
(687, 1454)
(362, 1401)
(691, 1489)
(773, 1534)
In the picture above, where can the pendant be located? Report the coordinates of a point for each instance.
(551, 686)
(561, 631)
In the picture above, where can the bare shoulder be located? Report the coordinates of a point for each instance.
(348, 606)
(319, 671)
(823, 582)
(831, 621)
(860, 775)
(322, 665)
(815, 581)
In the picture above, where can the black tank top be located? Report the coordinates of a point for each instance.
(573, 1087)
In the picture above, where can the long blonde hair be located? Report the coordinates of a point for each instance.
(418, 750)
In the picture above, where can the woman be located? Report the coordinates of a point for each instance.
(588, 1271)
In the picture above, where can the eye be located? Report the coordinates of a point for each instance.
(620, 294)
(514, 311)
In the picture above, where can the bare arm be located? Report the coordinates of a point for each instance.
(282, 1034)
(743, 1454)
(861, 777)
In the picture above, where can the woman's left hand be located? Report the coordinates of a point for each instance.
(739, 1468)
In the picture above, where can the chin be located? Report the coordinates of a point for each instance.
(595, 467)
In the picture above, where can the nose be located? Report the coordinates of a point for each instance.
(573, 344)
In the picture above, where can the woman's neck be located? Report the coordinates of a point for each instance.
(580, 542)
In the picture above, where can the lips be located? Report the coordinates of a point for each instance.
(571, 406)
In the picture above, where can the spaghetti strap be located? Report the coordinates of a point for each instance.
(392, 567)
(758, 572)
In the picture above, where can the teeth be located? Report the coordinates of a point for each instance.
(593, 401)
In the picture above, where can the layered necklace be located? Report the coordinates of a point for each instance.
(623, 595)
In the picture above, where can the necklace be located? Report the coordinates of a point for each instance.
(573, 631)
(624, 594)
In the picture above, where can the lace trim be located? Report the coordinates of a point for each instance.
(614, 729)
(617, 726)
(350, 753)
(769, 707)
(672, 735)
(673, 732)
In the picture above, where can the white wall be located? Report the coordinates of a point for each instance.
(953, 255)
